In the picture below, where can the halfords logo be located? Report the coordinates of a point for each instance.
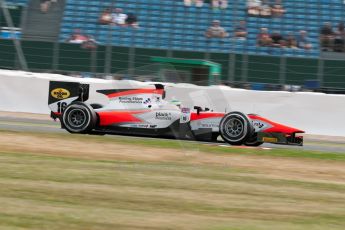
(60, 93)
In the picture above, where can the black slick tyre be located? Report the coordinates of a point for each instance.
(79, 117)
(235, 128)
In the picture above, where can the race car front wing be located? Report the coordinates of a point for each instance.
(280, 138)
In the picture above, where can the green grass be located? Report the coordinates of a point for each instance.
(46, 191)
(177, 144)
(49, 192)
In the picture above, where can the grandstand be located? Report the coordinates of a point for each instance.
(168, 28)
(168, 24)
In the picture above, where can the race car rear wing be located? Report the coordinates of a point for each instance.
(61, 94)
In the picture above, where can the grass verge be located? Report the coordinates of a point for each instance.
(178, 144)
(41, 188)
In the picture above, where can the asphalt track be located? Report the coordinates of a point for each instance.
(10, 122)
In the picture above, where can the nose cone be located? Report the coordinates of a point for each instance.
(276, 127)
(279, 128)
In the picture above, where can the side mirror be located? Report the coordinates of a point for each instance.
(198, 109)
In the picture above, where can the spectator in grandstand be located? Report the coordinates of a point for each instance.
(89, 44)
(339, 38)
(264, 38)
(254, 7)
(118, 17)
(198, 3)
(265, 9)
(303, 41)
(44, 6)
(105, 17)
(326, 36)
(277, 39)
(132, 20)
(277, 9)
(77, 37)
(216, 31)
(219, 4)
(241, 30)
(291, 41)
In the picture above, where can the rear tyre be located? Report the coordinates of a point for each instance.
(253, 141)
(235, 128)
(79, 118)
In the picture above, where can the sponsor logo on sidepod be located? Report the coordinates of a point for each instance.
(163, 116)
(60, 93)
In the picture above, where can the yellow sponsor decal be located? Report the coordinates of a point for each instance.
(270, 139)
(60, 93)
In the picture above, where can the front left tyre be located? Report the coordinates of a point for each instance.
(79, 117)
(235, 128)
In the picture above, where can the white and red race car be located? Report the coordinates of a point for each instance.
(144, 112)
